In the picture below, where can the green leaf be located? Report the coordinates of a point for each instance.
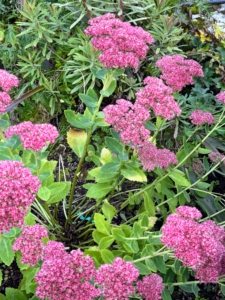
(58, 190)
(2, 297)
(76, 140)
(190, 288)
(108, 210)
(87, 100)
(97, 236)
(137, 230)
(118, 234)
(160, 264)
(14, 294)
(76, 120)
(114, 145)
(149, 204)
(143, 269)
(13, 142)
(99, 190)
(178, 177)
(101, 224)
(14, 232)
(149, 262)
(166, 294)
(107, 256)
(44, 193)
(6, 253)
(110, 89)
(134, 175)
(123, 157)
(106, 242)
(110, 167)
(29, 219)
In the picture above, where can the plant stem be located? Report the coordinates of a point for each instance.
(151, 256)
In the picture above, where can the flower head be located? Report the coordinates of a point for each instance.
(221, 97)
(122, 45)
(150, 157)
(216, 157)
(30, 243)
(7, 80)
(33, 136)
(5, 100)
(198, 246)
(199, 117)
(157, 96)
(116, 280)
(178, 72)
(128, 119)
(150, 287)
(66, 275)
(18, 189)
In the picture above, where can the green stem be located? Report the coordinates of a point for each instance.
(106, 85)
(151, 256)
(162, 122)
(180, 283)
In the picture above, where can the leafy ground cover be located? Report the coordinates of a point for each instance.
(111, 151)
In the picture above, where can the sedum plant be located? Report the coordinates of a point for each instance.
(118, 261)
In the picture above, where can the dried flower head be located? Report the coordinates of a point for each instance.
(217, 157)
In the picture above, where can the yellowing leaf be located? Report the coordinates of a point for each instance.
(76, 140)
(134, 175)
(106, 156)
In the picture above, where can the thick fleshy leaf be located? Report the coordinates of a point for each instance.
(76, 140)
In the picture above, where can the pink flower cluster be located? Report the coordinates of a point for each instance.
(178, 72)
(65, 276)
(5, 100)
(157, 96)
(221, 97)
(6, 82)
(151, 287)
(150, 157)
(128, 119)
(33, 136)
(18, 189)
(122, 45)
(199, 117)
(199, 246)
(216, 157)
(30, 243)
(116, 280)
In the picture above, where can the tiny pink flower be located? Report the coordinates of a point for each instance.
(5, 100)
(121, 44)
(199, 117)
(158, 97)
(128, 119)
(65, 275)
(33, 136)
(178, 71)
(151, 157)
(116, 280)
(199, 246)
(216, 157)
(17, 193)
(150, 287)
(221, 97)
(30, 243)
(7, 80)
